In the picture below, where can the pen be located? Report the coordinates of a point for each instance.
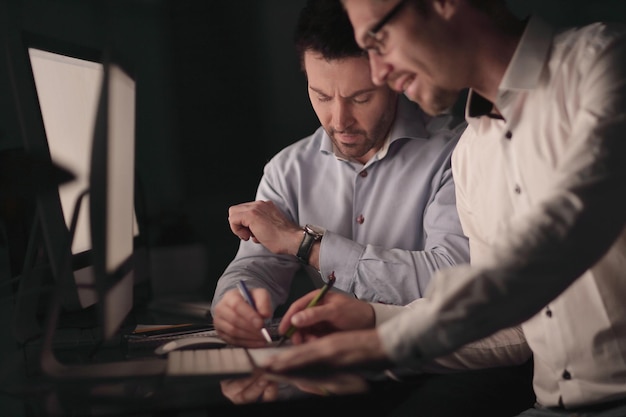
(327, 286)
(243, 289)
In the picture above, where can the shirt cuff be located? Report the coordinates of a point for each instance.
(384, 312)
(341, 256)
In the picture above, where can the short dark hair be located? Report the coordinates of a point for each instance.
(324, 27)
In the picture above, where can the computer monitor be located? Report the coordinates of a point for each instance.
(67, 90)
(60, 89)
(57, 86)
(53, 87)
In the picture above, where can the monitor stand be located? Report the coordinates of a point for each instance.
(54, 368)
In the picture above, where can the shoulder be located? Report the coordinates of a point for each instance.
(415, 127)
(588, 43)
(302, 149)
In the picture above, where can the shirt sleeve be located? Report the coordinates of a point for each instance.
(507, 347)
(378, 273)
(544, 251)
(253, 263)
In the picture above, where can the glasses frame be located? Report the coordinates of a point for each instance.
(373, 31)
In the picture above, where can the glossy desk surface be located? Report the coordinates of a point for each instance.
(26, 392)
(497, 392)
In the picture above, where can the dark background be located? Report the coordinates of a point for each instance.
(219, 92)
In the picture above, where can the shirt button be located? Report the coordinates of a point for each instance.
(548, 312)
(363, 173)
(566, 374)
(518, 189)
(508, 134)
(360, 219)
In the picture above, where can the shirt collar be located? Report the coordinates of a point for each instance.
(523, 72)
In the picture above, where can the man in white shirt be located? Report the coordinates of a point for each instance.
(540, 182)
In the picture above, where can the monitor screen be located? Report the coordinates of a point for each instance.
(54, 88)
(68, 89)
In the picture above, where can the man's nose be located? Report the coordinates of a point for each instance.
(379, 69)
(342, 115)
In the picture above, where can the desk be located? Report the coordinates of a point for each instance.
(494, 392)
(24, 393)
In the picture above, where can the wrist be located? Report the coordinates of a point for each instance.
(310, 235)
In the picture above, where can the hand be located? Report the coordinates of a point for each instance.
(266, 224)
(236, 321)
(335, 312)
(249, 390)
(343, 350)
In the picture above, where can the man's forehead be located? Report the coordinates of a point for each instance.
(364, 14)
(364, 11)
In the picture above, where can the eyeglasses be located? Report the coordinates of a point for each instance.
(379, 41)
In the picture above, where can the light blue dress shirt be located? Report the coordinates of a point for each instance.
(390, 224)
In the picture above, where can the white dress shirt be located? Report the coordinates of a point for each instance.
(541, 193)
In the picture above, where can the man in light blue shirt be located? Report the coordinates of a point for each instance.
(369, 196)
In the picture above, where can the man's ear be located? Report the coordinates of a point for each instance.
(445, 8)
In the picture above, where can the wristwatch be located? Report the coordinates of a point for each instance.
(312, 234)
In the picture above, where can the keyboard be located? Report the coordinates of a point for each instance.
(232, 361)
(224, 361)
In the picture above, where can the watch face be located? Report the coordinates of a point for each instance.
(315, 230)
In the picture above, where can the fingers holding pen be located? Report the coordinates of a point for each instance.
(300, 316)
(237, 322)
(334, 312)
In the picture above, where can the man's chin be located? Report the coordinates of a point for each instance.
(434, 106)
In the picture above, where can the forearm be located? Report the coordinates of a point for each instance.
(261, 269)
(389, 276)
(507, 347)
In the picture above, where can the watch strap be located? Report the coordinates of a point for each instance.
(309, 238)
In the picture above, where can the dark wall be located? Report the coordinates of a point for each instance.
(241, 97)
(572, 12)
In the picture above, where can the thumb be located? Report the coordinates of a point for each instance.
(311, 316)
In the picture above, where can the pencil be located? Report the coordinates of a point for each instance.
(327, 286)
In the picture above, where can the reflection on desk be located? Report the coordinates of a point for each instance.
(215, 395)
(265, 387)
(491, 392)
